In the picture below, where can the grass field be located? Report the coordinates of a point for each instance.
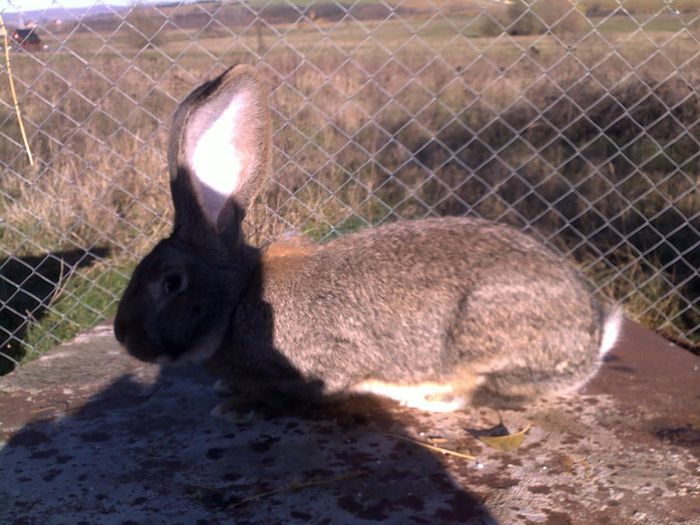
(589, 138)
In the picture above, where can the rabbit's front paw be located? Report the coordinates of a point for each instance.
(235, 411)
(222, 388)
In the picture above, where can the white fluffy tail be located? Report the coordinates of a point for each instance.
(612, 329)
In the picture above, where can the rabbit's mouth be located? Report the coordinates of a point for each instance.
(168, 354)
(201, 351)
(136, 341)
(139, 343)
(165, 336)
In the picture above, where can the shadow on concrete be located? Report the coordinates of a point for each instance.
(147, 450)
(27, 287)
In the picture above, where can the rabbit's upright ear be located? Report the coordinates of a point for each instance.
(219, 153)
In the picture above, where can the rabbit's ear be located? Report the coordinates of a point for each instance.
(219, 153)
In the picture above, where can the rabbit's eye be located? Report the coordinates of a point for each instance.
(172, 283)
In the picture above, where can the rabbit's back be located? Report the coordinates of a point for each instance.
(432, 300)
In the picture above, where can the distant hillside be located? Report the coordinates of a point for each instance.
(42, 16)
(272, 11)
(188, 15)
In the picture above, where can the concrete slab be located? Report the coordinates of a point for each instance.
(88, 435)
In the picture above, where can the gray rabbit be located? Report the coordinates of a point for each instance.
(437, 314)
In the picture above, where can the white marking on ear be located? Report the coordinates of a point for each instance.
(217, 158)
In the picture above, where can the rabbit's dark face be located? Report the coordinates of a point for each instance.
(178, 304)
(181, 298)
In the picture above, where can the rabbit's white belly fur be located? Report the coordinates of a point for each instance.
(430, 397)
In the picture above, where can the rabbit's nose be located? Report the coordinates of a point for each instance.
(120, 330)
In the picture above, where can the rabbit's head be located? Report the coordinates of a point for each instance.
(181, 296)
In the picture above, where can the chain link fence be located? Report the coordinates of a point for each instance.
(577, 120)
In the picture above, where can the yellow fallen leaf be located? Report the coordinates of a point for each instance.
(435, 448)
(506, 443)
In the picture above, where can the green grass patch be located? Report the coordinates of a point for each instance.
(89, 296)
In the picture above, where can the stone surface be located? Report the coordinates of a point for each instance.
(88, 435)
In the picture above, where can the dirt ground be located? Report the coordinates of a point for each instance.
(89, 435)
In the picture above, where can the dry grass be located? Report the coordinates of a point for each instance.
(595, 149)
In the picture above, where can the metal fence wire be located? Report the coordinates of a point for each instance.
(577, 120)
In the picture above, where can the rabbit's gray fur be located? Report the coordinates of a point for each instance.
(459, 302)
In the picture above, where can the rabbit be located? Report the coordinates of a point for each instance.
(439, 314)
